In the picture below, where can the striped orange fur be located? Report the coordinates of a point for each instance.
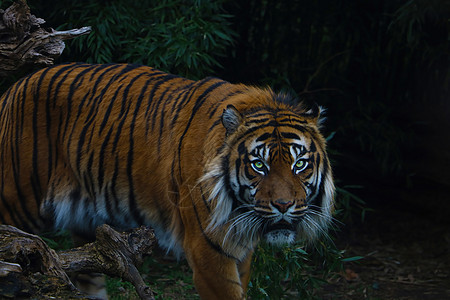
(213, 167)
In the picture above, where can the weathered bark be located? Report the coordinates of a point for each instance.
(24, 43)
(29, 268)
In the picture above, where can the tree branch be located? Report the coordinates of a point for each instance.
(24, 43)
(24, 255)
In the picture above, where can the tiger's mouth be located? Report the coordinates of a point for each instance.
(280, 233)
(281, 225)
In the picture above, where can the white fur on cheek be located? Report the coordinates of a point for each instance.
(221, 204)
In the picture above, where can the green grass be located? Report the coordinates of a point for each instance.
(277, 273)
(167, 278)
(59, 240)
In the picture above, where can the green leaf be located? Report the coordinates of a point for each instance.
(353, 258)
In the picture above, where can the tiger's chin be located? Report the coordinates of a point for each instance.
(280, 237)
(280, 233)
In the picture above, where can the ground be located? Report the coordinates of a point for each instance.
(405, 257)
(405, 243)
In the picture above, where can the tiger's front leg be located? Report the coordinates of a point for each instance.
(216, 276)
(244, 268)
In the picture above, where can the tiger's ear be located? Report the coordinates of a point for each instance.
(231, 119)
(314, 114)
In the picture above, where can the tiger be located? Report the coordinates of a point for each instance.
(213, 167)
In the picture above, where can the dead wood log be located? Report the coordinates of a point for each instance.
(24, 43)
(29, 268)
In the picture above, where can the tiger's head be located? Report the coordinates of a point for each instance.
(271, 179)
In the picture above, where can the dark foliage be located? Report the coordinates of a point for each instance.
(182, 37)
(376, 65)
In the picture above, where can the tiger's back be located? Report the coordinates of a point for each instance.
(207, 164)
(94, 139)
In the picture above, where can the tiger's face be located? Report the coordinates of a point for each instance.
(276, 176)
(279, 187)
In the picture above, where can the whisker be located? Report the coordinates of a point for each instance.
(235, 222)
(256, 227)
(316, 228)
(333, 221)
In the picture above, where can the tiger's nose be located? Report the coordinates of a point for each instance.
(282, 205)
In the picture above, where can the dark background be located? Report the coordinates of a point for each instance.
(382, 70)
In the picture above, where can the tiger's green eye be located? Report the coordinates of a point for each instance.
(259, 166)
(300, 165)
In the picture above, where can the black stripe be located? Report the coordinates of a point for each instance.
(162, 77)
(290, 135)
(132, 201)
(237, 167)
(35, 180)
(213, 109)
(205, 201)
(319, 185)
(19, 126)
(97, 99)
(111, 216)
(187, 96)
(124, 112)
(7, 206)
(109, 68)
(255, 113)
(22, 199)
(174, 186)
(101, 158)
(48, 112)
(23, 102)
(227, 182)
(113, 187)
(72, 88)
(90, 177)
(91, 136)
(109, 109)
(99, 67)
(265, 136)
(291, 115)
(313, 147)
(81, 143)
(291, 120)
(273, 124)
(151, 112)
(198, 103)
(163, 110)
(258, 121)
(322, 183)
(22, 222)
(189, 92)
(15, 163)
(161, 99)
(243, 152)
(212, 244)
(75, 200)
(217, 122)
